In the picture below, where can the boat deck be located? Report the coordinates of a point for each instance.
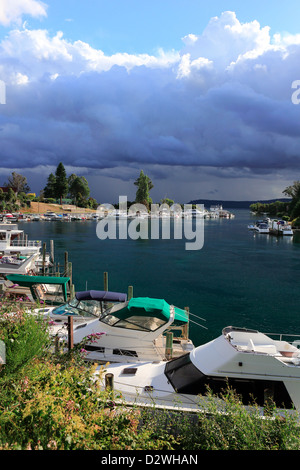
(259, 343)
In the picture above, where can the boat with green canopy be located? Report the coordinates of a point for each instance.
(115, 329)
(42, 289)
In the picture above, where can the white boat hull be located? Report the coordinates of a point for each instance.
(249, 361)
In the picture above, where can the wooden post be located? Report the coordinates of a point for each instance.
(72, 291)
(169, 345)
(70, 332)
(130, 292)
(44, 258)
(51, 251)
(185, 329)
(66, 263)
(105, 280)
(109, 381)
(70, 271)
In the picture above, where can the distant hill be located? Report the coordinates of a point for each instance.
(235, 204)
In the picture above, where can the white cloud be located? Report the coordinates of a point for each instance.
(12, 11)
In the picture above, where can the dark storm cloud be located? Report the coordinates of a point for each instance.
(209, 106)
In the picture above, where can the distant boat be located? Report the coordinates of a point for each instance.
(260, 226)
(280, 227)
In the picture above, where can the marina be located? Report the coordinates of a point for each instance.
(221, 282)
(130, 310)
(272, 227)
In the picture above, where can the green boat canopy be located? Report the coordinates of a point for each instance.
(30, 281)
(148, 307)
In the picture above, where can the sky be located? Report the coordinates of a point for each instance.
(199, 95)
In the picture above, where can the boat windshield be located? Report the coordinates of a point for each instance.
(133, 322)
(86, 308)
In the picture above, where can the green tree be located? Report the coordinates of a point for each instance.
(293, 191)
(144, 185)
(168, 201)
(79, 189)
(18, 182)
(49, 190)
(61, 182)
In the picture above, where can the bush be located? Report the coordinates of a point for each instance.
(296, 223)
(25, 336)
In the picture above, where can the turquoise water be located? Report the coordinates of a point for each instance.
(238, 278)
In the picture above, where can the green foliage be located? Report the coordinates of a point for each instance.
(227, 424)
(296, 222)
(144, 185)
(24, 335)
(49, 190)
(18, 182)
(275, 209)
(61, 182)
(54, 402)
(79, 189)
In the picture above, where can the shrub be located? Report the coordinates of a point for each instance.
(24, 335)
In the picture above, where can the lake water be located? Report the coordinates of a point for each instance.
(238, 278)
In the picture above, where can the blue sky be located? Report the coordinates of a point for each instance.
(197, 94)
(143, 26)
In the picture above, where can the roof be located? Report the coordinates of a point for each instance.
(148, 307)
(101, 295)
(26, 280)
(29, 281)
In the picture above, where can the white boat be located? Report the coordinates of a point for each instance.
(120, 330)
(18, 265)
(252, 363)
(193, 213)
(17, 253)
(50, 216)
(280, 227)
(261, 227)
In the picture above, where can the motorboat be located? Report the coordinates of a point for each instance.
(18, 264)
(191, 213)
(116, 329)
(280, 227)
(18, 254)
(13, 241)
(51, 290)
(250, 362)
(261, 226)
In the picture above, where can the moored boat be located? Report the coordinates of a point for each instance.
(258, 367)
(122, 330)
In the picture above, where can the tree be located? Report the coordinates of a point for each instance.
(293, 191)
(18, 183)
(71, 179)
(79, 189)
(61, 182)
(144, 185)
(49, 190)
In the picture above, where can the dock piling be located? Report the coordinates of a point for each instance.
(105, 280)
(130, 292)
